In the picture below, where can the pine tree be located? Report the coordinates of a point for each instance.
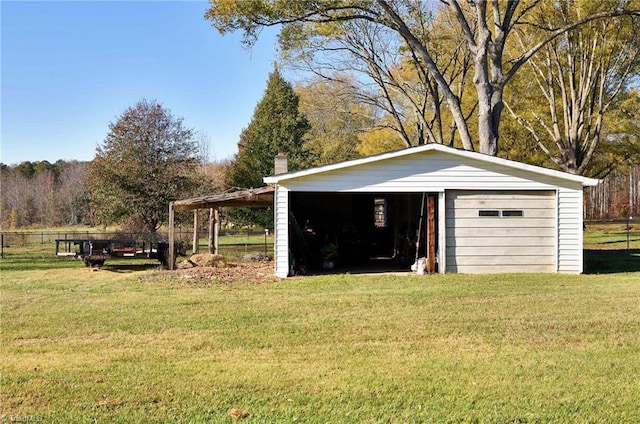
(277, 126)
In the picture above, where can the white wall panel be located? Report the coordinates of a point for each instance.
(570, 228)
(429, 171)
(281, 225)
(481, 244)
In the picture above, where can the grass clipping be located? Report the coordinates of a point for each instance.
(204, 269)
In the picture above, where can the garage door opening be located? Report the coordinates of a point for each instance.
(361, 232)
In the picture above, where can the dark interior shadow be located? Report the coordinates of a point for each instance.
(611, 261)
(370, 267)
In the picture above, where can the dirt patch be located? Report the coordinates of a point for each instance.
(247, 272)
(206, 260)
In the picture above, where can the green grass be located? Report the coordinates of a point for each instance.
(612, 236)
(118, 345)
(606, 248)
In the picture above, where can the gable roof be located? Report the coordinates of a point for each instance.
(274, 179)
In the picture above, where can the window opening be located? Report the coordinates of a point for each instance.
(512, 213)
(380, 212)
(497, 213)
(488, 213)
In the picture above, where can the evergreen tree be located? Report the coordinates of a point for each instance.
(277, 126)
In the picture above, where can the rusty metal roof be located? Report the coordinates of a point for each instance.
(252, 198)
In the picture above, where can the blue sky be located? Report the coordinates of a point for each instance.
(70, 68)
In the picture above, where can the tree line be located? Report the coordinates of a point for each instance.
(56, 195)
(40, 195)
(44, 194)
(616, 197)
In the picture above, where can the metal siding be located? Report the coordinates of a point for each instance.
(281, 218)
(434, 172)
(501, 244)
(570, 230)
(502, 268)
(438, 149)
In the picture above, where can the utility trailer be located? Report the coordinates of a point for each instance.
(96, 252)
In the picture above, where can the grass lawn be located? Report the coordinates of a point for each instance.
(612, 236)
(128, 345)
(612, 247)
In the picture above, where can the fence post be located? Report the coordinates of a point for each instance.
(2, 246)
(266, 233)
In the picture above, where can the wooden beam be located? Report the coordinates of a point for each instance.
(441, 246)
(260, 197)
(210, 244)
(195, 231)
(431, 234)
(171, 253)
(214, 230)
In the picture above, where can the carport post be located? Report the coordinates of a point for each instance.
(171, 253)
(214, 230)
(196, 248)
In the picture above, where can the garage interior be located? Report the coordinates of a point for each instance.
(361, 232)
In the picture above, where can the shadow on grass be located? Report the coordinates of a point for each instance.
(611, 261)
(125, 268)
(36, 263)
(618, 241)
(14, 263)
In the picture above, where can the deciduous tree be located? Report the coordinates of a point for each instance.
(485, 28)
(336, 120)
(578, 76)
(145, 162)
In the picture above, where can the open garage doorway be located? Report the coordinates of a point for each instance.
(361, 232)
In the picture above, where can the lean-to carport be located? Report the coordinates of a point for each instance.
(251, 198)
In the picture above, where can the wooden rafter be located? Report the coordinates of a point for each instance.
(255, 197)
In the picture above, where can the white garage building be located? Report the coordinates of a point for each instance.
(463, 211)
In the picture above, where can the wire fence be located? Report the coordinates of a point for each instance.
(25, 238)
(612, 234)
(22, 239)
(625, 232)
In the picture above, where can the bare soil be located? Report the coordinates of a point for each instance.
(247, 272)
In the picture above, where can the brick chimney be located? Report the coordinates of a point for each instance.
(281, 163)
